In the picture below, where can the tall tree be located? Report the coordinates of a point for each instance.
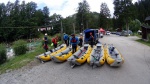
(25, 16)
(55, 21)
(123, 12)
(104, 15)
(46, 15)
(82, 15)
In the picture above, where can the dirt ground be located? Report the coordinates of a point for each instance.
(135, 70)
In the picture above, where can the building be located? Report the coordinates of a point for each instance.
(146, 29)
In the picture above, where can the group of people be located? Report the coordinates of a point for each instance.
(54, 42)
(71, 41)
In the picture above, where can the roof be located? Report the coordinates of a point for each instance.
(88, 30)
(101, 30)
(147, 18)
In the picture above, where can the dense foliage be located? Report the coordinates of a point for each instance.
(127, 13)
(20, 47)
(3, 56)
(22, 20)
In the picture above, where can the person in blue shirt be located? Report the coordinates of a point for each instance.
(65, 38)
(74, 41)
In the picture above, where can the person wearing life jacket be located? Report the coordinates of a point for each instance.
(91, 39)
(74, 42)
(45, 39)
(66, 38)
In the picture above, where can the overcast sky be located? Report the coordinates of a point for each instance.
(68, 7)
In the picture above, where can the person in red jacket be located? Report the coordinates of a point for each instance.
(54, 40)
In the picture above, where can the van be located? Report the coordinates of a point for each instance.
(86, 35)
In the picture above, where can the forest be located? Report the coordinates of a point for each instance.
(21, 20)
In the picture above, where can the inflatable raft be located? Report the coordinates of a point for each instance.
(47, 55)
(80, 56)
(97, 56)
(62, 56)
(113, 56)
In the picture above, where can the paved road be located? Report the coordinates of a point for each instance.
(135, 70)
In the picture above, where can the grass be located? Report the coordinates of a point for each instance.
(144, 42)
(135, 34)
(20, 61)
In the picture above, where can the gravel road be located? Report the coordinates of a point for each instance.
(135, 70)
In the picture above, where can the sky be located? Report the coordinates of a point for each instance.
(68, 7)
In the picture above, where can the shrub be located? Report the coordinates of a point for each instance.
(3, 56)
(20, 47)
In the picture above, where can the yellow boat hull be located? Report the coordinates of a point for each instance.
(100, 60)
(113, 61)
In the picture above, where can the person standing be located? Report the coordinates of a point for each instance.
(91, 39)
(66, 37)
(74, 42)
(54, 41)
(80, 41)
(45, 39)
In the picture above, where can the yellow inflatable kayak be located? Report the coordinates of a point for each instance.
(80, 56)
(97, 56)
(113, 56)
(63, 56)
(47, 55)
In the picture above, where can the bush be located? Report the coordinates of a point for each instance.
(3, 56)
(20, 47)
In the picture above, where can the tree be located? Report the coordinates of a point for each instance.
(123, 12)
(69, 24)
(104, 16)
(20, 21)
(46, 15)
(135, 25)
(93, 20)
(143, 9)
(82, 15)
(55, 21)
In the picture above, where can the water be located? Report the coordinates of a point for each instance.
(31, 47)
(9, 52)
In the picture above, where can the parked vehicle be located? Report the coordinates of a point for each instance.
(107, 32)
(113, 32)
(124, 33)
(118, 33)
(86, 35)
(101, 35)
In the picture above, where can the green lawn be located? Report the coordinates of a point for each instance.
(143, 42)
(20, 61)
